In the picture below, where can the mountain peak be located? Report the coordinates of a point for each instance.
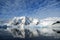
(23, 20)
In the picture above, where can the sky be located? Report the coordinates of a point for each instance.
(29, 8)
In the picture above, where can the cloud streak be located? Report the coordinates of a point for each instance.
(34, 8)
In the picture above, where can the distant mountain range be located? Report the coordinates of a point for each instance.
(33, 27)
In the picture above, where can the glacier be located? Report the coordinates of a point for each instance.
(23, 27)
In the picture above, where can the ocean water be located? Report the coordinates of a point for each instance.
(5, 35)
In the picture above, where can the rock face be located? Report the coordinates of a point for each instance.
(31, 27)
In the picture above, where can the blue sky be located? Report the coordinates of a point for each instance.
(30, 8)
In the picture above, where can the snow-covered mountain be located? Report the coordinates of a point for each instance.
(23, 20)
(32, 27)
(21, 24)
